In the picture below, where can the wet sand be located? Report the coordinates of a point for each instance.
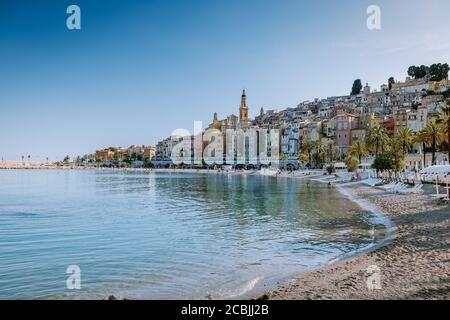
(415, 264)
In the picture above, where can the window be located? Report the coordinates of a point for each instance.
(339, 126)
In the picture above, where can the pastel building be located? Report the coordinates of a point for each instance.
(344, 123)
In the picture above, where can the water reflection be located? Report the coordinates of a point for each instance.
(161, 235)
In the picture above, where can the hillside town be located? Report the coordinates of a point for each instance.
(410, 115)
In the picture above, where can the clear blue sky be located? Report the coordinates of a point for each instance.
(139, 69)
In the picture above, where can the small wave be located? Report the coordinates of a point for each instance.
(248, 286)
(19, 214)
(380, 218)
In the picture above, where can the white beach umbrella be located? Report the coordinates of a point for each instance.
(448, 190)
(437, 184)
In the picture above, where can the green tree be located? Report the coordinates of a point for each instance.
(377, 138)
(352, 164)
(66, 159)
(444, 117)
(322, 156)
(358, 150)
(330, 169)
(126, 158)
(148, 163)
(318, 145)
(308, 147)
(439, 71)
(405, 139)
(382, 162)
(412, 71)
(357, 87)
(446, 94)
(432, 136)
(331, 148)
(391, 81)
(398, 158)
(418, 72)
(436, 72)
(395, 151)
(391, 161)
(303, 158)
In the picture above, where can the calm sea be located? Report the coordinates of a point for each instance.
(164, 236)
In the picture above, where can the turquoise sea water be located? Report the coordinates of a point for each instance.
(164, 236)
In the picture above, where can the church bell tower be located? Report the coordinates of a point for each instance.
(243, 109)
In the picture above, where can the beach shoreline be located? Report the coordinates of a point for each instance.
(412, 262)
(294, 174)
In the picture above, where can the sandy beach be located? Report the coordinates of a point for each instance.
(415, 264)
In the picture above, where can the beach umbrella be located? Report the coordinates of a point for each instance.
(417, 172)
(437, 184)
(447, 189)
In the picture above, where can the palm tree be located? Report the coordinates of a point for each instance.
(318, 147)
(377, 138)
(444, 116)
(331, 149)
(323, 156)
(405, 139)
(308, 148)
(432, 135)
(352, 164)
(302, 158)
(358, 150)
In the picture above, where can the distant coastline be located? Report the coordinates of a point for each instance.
(298, 173)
